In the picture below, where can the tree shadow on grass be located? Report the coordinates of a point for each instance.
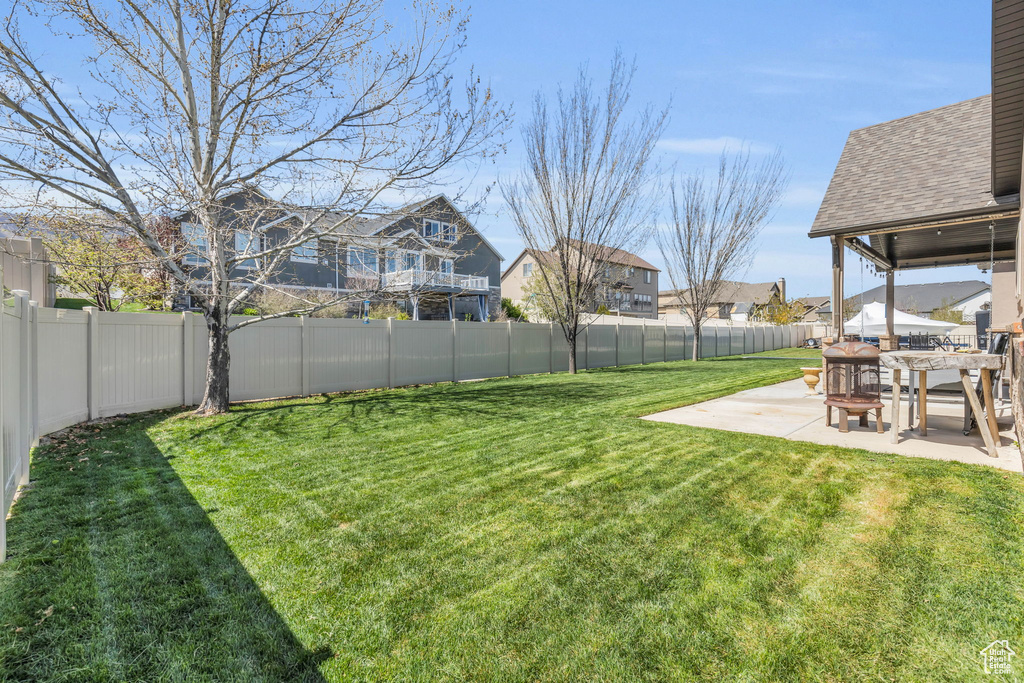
(115, 572)
(519, 399)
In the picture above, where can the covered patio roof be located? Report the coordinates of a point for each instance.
(917, 192)
(938, 188)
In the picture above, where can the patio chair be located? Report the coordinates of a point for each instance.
(998, 345)
(920, 342)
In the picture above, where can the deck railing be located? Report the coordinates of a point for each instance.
(425, 279)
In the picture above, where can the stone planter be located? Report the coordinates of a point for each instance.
(811, 378)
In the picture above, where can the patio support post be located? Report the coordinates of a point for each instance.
(415, 307)
(890, 301)
(838, 258)
(451, 306)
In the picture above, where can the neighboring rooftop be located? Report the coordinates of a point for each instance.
(929, 165)
(927, 297)
(617, 256)
(731, 292)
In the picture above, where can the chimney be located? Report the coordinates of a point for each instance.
(782, 289)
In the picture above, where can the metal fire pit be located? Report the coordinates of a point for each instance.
(852, 383)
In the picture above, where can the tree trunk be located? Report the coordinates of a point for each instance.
(696, 343)
(216, 398)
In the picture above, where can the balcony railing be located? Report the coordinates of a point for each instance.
(426, 279)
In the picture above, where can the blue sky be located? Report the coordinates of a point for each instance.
(799, 75)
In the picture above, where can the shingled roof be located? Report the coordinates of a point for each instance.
(930, 165)
(927, 297)
(731, 292)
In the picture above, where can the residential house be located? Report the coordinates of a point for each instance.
(26, 265)
(629, 284)
(735, 300)
(819, 309)
(966, 296)
(427, 257)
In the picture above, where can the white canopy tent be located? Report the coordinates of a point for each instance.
(872, 317)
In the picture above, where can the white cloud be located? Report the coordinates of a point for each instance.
(712, 145)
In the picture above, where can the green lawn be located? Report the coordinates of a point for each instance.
(521, 529)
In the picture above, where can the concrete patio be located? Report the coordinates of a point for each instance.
(785, 411)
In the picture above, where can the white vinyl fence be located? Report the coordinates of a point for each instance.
(60, 367)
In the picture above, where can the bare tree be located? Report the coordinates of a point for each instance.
(586, 189)
(714, 229)
(189, 104)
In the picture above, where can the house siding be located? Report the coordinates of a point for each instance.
(513, 285)
(471, 255)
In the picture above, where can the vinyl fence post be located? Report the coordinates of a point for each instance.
(643, 341)
(93, 359)
(551, 348)
(33, 380)
(391, 353)
(509, 324)
(24, 393)
(188, 353)
(455, 349)
(304, 329)
(617, 323)
(586, 347)
(664, 347)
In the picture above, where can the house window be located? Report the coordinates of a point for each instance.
(399, 259)
(412, 260)
(607, 272)
(527, 269)
(632, 271)
(361, 261)
(437, 230)
(306, 252)
(647, 277)
(447, 266)
(195, 244)
(246, 243)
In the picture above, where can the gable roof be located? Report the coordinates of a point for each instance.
(927, 166)
(731, 292)
(358, 225)
(927, 297)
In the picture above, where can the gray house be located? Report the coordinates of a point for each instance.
(426, 257)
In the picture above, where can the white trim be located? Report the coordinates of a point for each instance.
(271, 224)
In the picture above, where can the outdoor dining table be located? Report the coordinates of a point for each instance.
(923, 361)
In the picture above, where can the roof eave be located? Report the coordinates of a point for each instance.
(1003, 206)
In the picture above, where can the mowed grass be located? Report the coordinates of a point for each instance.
(521, 529)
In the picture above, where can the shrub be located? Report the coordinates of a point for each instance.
(511, 311)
